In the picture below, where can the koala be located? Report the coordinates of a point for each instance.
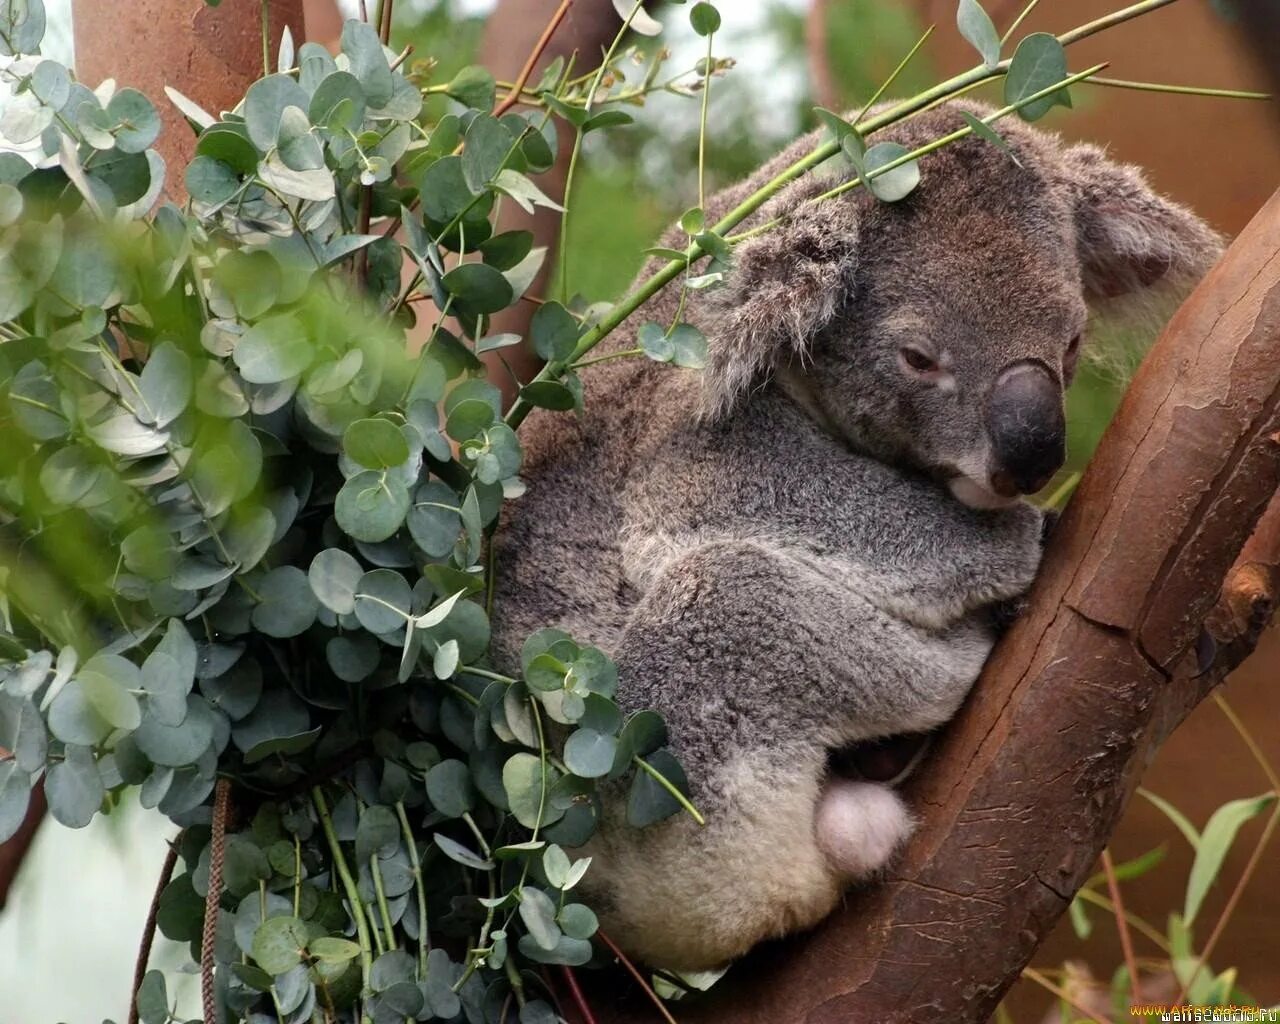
(794, 555)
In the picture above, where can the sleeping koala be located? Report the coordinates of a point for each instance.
(798, 551)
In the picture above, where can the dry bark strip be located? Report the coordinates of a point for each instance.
(1147, 598)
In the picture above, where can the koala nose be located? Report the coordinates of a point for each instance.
(1027, 428)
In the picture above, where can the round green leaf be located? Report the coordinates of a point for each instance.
(449, 788)
(280, 943)
(589, 753)
(334, 576)
(1038, 63)
(211, 181)
(176, 746)
(273, 350)
(371, 506)
(649, 801)
(74, 787)
(74, 719)
(478, 288)
(165, 385)
(251, 280)
(375, 444)
(15, 794)
(137, 123)
(383, 599)
(704, 18)
(286, 605)
(108, 680)
(898, 183)
(22, 732)
(524, 781)
(554, 331)
(264, 104)
(434, 519)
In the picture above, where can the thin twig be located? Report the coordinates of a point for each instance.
(579, 1000)
(1135, 922)
(217, 847)
(149, 927)
(1018, 21)
(1061, 993)
(513, 97)
(1122, 925)
(384, 27)
(1181, 90)
(635, 973)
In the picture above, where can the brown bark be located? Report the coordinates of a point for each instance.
(211, 54)
(1153, 556)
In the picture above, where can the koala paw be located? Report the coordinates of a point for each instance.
(860, 825)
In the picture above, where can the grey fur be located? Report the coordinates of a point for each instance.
(770, 549)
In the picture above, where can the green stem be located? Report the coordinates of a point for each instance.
(415, 865)
(348, 885)
(266, 40)
(297, 876)
(1018, 21)
(517, 982)
(702, 124)
(383, 909)
(666, 784)
(577, 146)
(1181, 90)
(484, 673)
(606, 358)
(893, 77)
(956, 135)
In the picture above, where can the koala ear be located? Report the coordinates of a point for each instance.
(785, 286)
(1131, 239)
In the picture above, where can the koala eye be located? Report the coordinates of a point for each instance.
(917, 361)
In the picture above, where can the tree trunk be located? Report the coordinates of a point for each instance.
(211, 54)
(1155, 585)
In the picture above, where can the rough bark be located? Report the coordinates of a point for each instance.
(211, 54)
(1155, 585)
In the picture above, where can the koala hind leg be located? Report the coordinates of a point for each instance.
(760, 665)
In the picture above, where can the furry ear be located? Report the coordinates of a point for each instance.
(1131, 239)
(785, 286)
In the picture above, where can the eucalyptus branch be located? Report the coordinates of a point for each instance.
(577, 143)
(419, 888)
(554, 369)
(348, 885)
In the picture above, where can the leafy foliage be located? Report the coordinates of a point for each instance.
(244, 528)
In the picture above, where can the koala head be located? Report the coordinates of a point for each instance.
(941, 331)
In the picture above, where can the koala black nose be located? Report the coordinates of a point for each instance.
(1027, 428)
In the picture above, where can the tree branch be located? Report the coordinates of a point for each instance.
(1148, 596)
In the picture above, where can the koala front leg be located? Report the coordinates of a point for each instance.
(760, 665)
